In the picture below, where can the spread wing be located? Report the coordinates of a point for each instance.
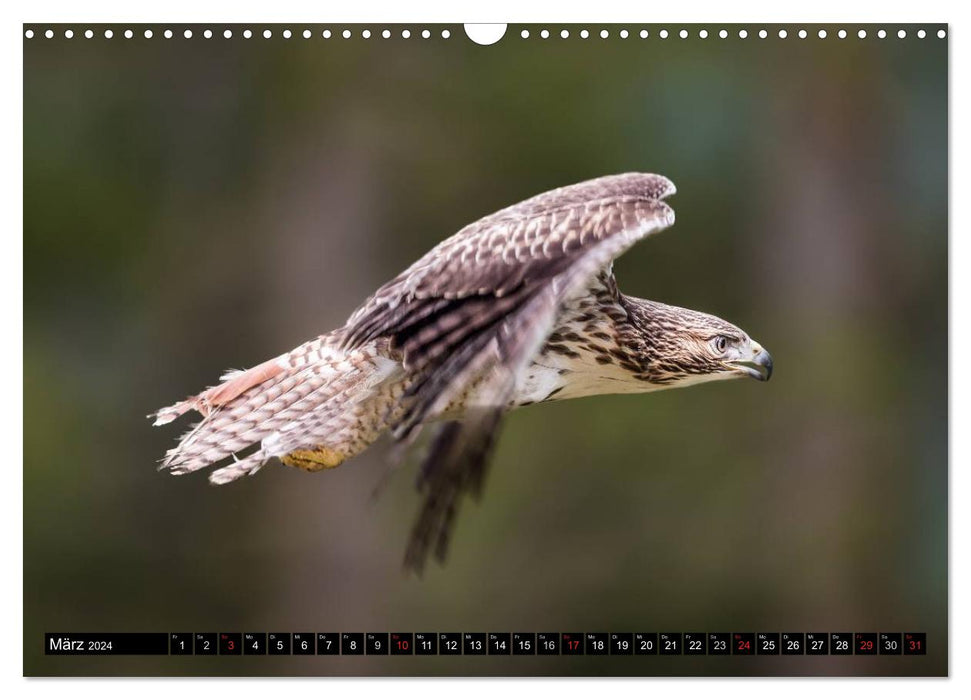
(469, 316)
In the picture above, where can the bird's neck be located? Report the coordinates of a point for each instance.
(593, 350)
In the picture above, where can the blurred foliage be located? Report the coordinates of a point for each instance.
(196, 205)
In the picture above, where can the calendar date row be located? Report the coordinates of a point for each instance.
(551, 643)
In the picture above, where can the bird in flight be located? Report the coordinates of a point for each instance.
(518, 308)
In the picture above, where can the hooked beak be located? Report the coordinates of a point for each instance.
(759, 367)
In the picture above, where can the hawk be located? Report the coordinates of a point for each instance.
(520, 307)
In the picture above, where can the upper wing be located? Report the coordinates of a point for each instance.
(471, 314)
(523, 246)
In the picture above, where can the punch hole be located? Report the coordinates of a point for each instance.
(485, 34)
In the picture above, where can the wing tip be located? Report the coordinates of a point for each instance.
(670, 189)
(659, 186)
(648, 185)
(668, 214)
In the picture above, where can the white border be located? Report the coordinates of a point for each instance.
(481, 33)
(415, 11)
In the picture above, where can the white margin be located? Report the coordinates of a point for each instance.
(416, 11)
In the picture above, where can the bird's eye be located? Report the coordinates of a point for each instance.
(720, 343)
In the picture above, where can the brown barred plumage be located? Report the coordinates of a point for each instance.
(517, 308)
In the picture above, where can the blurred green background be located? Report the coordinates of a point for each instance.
(195, 205)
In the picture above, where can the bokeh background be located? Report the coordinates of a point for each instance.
(195, 205)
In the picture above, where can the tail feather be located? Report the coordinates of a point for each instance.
(240, 467)
(245, 421)
(234, 383)
(240, 411)
(168, 414)
(298, 401)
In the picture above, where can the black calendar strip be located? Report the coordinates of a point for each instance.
(488, 644)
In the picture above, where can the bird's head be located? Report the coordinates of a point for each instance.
(680, 347)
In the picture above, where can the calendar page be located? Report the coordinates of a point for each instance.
(513, 350)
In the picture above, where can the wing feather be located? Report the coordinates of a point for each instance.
(470, 316)
(526, 244)
(457, 460)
